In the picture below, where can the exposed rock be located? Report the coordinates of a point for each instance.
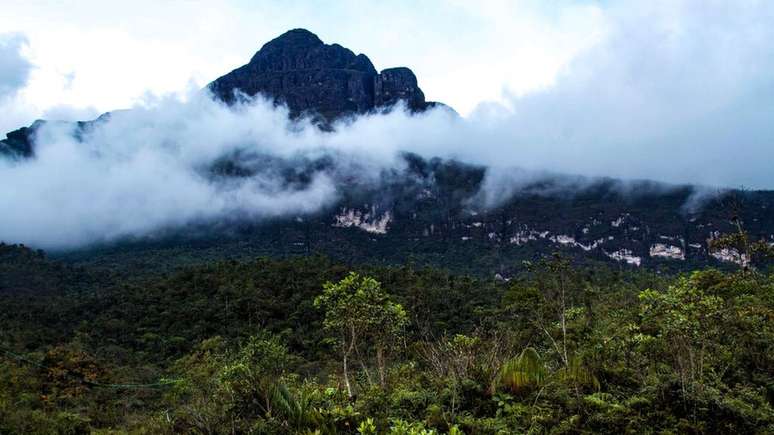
(368, 221)
(731, 255)
(296, 69)
(625, 255)
(309, 76)
(667, 251)
(395, 84)
(18, 143)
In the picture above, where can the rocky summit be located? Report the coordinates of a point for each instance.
(311, 77)
(430, 211)
(325, 81)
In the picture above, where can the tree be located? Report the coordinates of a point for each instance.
(360, 314)
(254, 375)
(688, 320)
(749, 253)
(555, 282)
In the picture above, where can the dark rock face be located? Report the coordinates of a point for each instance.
(309, 76)
(18, 143)
(396, 84)
(296, 69)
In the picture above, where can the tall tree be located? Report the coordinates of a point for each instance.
(362, 317)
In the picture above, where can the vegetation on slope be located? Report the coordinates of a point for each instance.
(260, 346)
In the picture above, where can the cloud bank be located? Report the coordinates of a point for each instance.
(677, 92)
(144, 170)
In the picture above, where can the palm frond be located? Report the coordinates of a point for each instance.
(523, 372)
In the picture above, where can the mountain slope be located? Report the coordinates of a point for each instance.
(429, 211)
(297, 69)
(431, 214)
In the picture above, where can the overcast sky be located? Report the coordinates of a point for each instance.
(108, 54)
(677, 91)
(674, 90)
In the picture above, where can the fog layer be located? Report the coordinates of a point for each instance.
(676, 92)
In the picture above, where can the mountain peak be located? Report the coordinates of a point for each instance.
(300, 70)
(294, 38)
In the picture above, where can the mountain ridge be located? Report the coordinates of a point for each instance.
(427, 211)
(324, 81)
(300, 70)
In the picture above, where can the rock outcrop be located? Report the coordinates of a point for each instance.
(326, 81)
(395, 84)
(18, 143)
(311, 77)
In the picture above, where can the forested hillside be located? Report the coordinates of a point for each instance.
(310, 243)
(341, 191)
(309, 345)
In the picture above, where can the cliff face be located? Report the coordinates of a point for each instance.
(396, 84)
(309, 76)
(296, 69)
(18, 143)
(429, 213)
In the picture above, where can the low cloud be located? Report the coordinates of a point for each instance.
(675, 92)
(69, 113)
(139, 172)
(146, 170)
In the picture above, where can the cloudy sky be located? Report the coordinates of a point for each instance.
(103, 55)
(675, 90)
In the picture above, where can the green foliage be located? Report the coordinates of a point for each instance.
(524, 372)
(259, 347)
(367, 427)
(250, 379)
(359, 302)
(749, 253)
(357, 311)
(577, 374)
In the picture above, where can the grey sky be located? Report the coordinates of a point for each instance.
(105, 55)
(14, 67)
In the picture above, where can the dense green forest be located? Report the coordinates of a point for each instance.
(309, 345)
